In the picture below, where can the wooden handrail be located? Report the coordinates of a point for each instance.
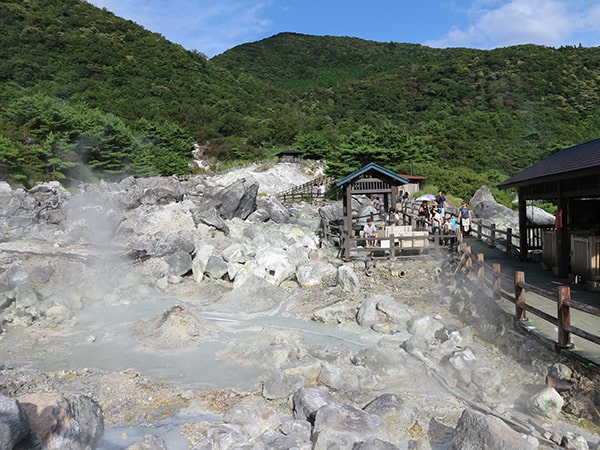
(476, 266)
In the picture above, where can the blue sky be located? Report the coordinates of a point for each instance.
(213, 26)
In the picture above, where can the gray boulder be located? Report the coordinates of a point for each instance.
(307, 401)
(160, 190)
(483, 194)
(300, 429)
(200, 261)
(253, 415)
(282, 385)
(57, 421)
(216, 268)
(398, 417)
(313, 272)
(347, 279)
(546, 404)
(180, 263)
(374, 444)
(223, 436)
(209, 215)
(341, 426)
(250, 295)
(271, 208)
(475, 431)
(14, 426)
(348, 377)
(238, 199)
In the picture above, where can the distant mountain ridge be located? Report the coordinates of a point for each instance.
(125, 101)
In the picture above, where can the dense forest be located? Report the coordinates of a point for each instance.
(88, 95)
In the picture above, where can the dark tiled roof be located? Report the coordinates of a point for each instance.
(372, 169)
(570, 159)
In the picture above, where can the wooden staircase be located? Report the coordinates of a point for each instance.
(306, 192)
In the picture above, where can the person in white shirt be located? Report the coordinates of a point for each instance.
(370, 232)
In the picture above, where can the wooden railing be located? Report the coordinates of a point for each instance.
(305, 192)
(492, 277)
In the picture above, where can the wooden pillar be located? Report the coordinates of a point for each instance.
(497, 282)
(520, 313)
(468, 260)
(480, 265)
(523, 226)
(347, 232)
(509, 241)
(493, 235)
(564, 317)
(563, 244)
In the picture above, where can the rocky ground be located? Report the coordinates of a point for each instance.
(420, 357)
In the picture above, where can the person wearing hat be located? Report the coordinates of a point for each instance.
(370, 232)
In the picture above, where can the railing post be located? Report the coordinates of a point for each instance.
(468, 260)
(480, 265)
(479, 231)
(564, 317)
(519, 296)
(493, 235)
(392, 247)
(497, 282)
(509, 241)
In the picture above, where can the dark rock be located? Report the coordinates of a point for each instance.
(209, 215)
(71, 422)
(308, 401)
(238, 199)
(476, 430)
(180, 263)
(14, 426)
(374, 444)
(281, 385)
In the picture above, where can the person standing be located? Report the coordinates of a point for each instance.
(440, 198)
(465, 217)
(423, 215)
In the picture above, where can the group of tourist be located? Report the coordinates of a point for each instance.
(430, 212)
(434, 213)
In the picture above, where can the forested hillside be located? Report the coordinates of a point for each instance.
(81, 88)
(494, 112)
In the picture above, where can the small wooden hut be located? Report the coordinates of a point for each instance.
(369, 180)
(571, 179)
(290, 156)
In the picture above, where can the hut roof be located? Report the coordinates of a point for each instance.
(375, 171)
(579, 157)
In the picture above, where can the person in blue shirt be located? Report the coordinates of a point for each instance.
(465, 218)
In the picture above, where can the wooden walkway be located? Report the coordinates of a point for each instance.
(542, 314)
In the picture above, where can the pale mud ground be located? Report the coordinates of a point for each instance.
(180, 391)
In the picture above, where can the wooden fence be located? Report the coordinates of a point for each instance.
(306, 192)
(492, 277)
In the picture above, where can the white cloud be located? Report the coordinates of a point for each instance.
(210, 27)
(543, 22)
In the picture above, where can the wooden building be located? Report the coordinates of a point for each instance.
(369, 180)
(290, 156)
(570, 178)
